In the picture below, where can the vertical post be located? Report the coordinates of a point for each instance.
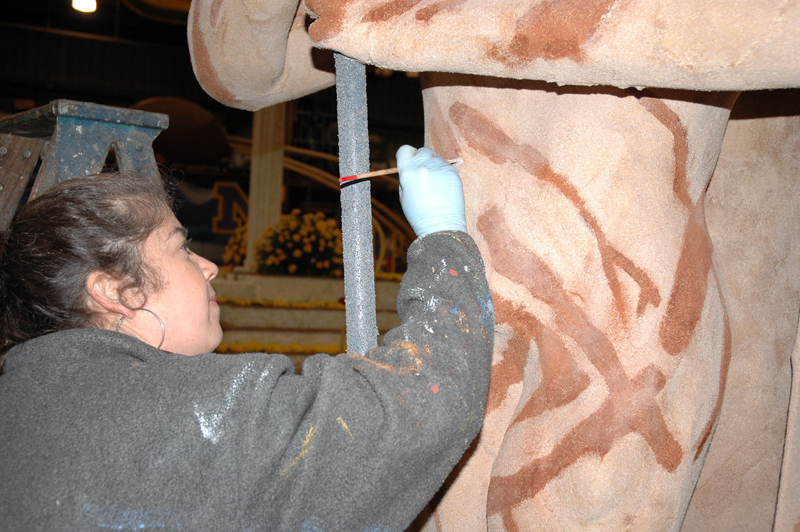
(266, 174)
(359, 276)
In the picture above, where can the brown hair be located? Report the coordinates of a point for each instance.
(86, 224)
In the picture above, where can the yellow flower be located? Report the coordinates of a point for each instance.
(310, 240)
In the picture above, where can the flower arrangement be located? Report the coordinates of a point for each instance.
(301, 244)
(311, 244)
(236, 249)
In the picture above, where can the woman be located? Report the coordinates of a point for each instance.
(106, 424)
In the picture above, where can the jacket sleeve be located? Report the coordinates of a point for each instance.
(363, 443)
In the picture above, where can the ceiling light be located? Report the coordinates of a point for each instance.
(86, 6)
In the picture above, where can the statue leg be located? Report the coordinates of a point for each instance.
(753, 212)
(612, 342)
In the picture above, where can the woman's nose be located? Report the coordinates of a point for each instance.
(210, 270)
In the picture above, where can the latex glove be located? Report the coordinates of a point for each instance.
(431, 193)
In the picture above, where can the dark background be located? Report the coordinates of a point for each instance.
(127, 51)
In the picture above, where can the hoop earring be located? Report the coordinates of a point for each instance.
(163, 331)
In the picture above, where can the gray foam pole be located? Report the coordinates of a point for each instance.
(359, 261)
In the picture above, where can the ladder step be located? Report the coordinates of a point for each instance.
(18, 159)
(42, 121)
(72, 139)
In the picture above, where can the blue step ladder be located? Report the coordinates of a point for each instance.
(67, 139)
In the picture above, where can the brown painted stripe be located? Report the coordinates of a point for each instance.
(631, 403)
(438, 521)
(562, 380)
(428, 12)
(553, 29)
(680, 145)
(482, 135)
(331, 18)
(633, 411)
(723, 376)
(201, 59)
(389, 10)
(509, 370)
(443, 139)
(216, 6)
(688, 295)
(511, 259)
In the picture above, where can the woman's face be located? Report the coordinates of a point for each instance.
(186, 302)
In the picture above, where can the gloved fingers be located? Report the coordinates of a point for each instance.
(431, 192)
(408, 157)
(404, 154)
(423, 154)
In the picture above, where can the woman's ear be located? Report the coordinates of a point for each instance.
(104, 293)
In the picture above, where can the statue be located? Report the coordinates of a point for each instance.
(646, 319)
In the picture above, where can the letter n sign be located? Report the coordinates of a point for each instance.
(231, 207)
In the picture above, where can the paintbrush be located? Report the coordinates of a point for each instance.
(376, 173)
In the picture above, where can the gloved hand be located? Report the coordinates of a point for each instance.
(430, 192)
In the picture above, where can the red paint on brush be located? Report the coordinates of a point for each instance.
(377, 173)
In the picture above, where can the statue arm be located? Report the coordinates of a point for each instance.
(254, 54)
(672, 43)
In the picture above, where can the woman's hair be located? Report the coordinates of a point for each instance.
(83, 225)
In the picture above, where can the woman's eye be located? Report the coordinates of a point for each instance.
(185, 245)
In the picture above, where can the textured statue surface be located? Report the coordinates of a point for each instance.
(647, 313)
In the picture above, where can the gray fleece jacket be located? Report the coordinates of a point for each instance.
(99, 431)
